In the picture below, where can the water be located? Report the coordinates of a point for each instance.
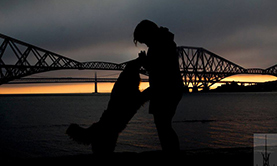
(35, 125)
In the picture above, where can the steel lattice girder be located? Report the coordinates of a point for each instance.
(101, 65)
(203, 68)
(23, 59)
(29, 59)
(198, 66)
(271, 70)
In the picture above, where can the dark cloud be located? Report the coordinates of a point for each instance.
(244, 32)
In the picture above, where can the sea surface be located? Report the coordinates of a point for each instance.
(35, 125)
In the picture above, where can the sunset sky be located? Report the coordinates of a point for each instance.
(242, 31)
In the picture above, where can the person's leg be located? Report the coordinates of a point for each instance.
(168, 137)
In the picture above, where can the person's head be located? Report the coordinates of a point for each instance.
(145, 32)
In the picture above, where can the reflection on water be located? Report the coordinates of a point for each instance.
(226, 119)
(35, 125)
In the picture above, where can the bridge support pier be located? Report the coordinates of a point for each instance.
(194, 88)
(206, 89)
(95, 84)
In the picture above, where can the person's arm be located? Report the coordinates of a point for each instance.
(143, 60)
(146, 95)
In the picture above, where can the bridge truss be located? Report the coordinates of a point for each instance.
(201, 68)
(198, 66)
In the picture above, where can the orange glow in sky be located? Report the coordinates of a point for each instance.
(59, 88)
(250, 77)
(247, 78)
(102, 87)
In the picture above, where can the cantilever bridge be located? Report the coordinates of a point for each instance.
(198, 66)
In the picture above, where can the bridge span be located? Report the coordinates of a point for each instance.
(198, 66)
(88, 80)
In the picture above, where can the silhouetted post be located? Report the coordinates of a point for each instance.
(95, 83)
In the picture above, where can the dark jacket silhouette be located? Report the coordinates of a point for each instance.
(165, 80)
(163, 67)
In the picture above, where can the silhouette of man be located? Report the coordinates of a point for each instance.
(161, 61)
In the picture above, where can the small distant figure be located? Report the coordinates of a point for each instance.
(166, 85)
(124, 102)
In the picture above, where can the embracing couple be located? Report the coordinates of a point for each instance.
(160, 61)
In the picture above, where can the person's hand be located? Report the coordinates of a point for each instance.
(142, 58)
(142, 54)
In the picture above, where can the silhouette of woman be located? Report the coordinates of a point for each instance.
(161, 61)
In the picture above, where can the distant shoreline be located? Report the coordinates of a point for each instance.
(107, 93)
(57, 94)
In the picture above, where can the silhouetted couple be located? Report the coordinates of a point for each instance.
(164, 93)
